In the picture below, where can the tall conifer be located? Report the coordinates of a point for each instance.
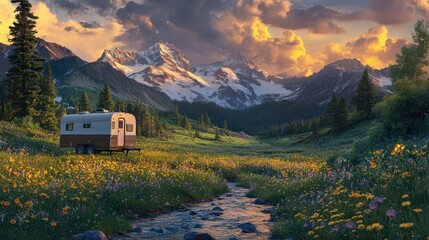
(25, 74)
(105, 99)
(47, 117)
(365, 96)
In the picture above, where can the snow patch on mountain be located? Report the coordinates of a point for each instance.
(233, 83)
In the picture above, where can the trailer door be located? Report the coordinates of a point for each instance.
(121, 132)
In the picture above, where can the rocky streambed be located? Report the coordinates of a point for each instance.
(231, 216)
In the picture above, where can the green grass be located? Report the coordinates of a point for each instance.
(315, 198)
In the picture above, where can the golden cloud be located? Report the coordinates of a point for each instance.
(7, 17)
(86, 43)
(374, 48)
(260, 30)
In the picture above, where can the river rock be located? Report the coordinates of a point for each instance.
(90, 235)
(198, 225)
(192, 213)
(137, 229)
(157, 230)
(259, 202)
(217, 209)
(248, 227)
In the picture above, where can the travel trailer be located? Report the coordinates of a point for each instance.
(91, 133)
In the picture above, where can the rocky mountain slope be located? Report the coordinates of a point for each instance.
(236, 82)
(341, 77)
(72, 75)
(233, 83)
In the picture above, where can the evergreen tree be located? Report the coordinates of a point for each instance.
(120, 106)
(129, 107)
(105, 99)
(6, 111)
(207, 120)
(187, 124)
(25, 74)
(84, 104)
(342, 115)
(76, 106)
(177, 117)
(202, 124)
(47, 117)
(413, 57)
(225, 129)
(365, 96)
(60, 112)
(332, 111)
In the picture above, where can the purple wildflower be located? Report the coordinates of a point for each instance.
(378, 199)
(373, 206)
(323, 223)
(335, 229)
(391, 213)
(350, 225)
(305, 225)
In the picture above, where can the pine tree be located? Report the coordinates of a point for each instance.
(129, 107)
(6, 111)
(84, 104)
(332, 110)
(207, 121)
(25, 74)
(187, 124)
(105, 99)
(365, 96)
(342, 115)
(60, 112)
(411, 61)
(201, 124)
(177, 117)
(47, 107)
(225, 129)
(76, 107)
(120, 106)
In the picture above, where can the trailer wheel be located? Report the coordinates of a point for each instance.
(91, 150)
(80, 149)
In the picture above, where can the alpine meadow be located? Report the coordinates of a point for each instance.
(214, 119)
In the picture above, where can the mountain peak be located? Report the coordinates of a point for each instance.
(52, 51)
(347, 64)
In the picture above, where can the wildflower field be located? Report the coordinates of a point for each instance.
(48, 193)
(385, 196)
(54, 196)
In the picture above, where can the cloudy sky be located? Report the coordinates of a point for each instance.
(295, 37)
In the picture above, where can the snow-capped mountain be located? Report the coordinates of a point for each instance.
(233, 83)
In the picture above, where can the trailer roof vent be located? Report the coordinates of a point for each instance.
(101, 110)
(84, 112)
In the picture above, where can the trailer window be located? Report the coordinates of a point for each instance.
(69, 127)
(113, 125)
(87, 125)
(129, 127)
(121, 124)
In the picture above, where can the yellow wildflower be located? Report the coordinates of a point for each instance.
(417, 210)
(406, 225)
(405, 204)
(12, 221)
(53, 224)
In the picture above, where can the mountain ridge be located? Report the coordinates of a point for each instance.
(236, 82)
